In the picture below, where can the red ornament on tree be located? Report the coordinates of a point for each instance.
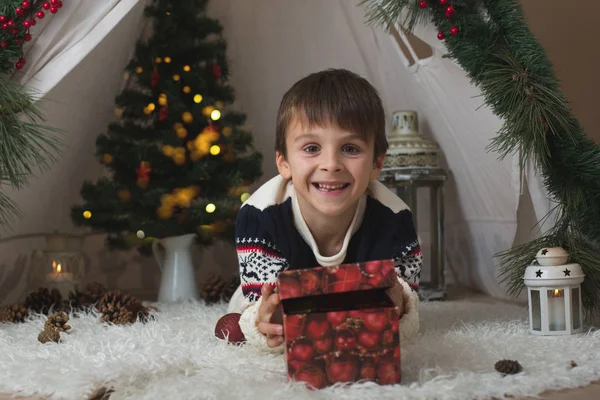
(163, 113)
(20, 12)
(216, 71)
(46, 5)
(143, 171)
(40, 14)
(154, 78)
(423, 4)
(441, 35)
(454, 30)
(449, 11)
(26, 4)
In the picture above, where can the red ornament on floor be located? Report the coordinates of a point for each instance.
(228, 328)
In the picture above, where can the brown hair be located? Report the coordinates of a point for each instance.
(334, 97)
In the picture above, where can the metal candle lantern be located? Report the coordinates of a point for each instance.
(554, 293)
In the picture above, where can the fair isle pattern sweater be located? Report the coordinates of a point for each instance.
(272, 236)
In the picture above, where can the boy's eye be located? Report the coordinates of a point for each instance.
(311, 148)
(350, 149)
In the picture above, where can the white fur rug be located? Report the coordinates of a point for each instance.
(178, 357)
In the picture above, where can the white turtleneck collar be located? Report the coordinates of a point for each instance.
(336, 259)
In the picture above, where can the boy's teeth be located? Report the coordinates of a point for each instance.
(331, 187)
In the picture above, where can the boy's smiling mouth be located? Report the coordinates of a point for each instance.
(330, 186)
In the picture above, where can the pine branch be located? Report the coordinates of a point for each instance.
(499, 53)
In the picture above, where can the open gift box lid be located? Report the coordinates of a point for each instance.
(360, 282)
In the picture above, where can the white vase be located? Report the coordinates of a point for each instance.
(178, 281)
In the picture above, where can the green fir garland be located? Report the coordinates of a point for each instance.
(492, 42)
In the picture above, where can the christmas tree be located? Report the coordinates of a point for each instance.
(25, 144)
(178, 158)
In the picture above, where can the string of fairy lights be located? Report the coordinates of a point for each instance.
(202, 145)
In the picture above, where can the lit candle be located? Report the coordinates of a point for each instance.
(58, 275)
(556, 310)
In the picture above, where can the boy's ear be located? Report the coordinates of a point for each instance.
(282, 166)
(377, 167)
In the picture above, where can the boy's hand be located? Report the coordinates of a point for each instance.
(270, 316)
(396, 293)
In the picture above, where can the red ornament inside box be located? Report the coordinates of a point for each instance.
(340, 325)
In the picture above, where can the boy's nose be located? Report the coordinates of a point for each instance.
(331, 162)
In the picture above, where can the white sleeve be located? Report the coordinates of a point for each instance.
(409, 322)
(248, 325)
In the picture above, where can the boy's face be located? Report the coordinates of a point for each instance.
(330, 168)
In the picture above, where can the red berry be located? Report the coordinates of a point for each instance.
(3, 45)
(2, 19)
(27, 24)
(441, 35)
(11, 23)
(19, 41)
(449, 11)
(40, 14)
(443, 2)
(5, 26)
(33, 22)
(53, 10)
(19, 11)
(19, 66)
(14, 31)
(46, 5)
(26, 4)
(54, 2)
(59, 4)
(454, 30)
(27, 37)
(22, 61)
(423, 4)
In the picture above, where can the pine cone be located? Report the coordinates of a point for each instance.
(58, 321)
(231, 287)
(86, 298)
(121, 309)
(212, 288)
(49, 335)
(508, 367)
(13, 313)
(42, 300)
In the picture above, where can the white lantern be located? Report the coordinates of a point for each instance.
(554, 293)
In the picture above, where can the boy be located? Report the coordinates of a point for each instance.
(326, 206)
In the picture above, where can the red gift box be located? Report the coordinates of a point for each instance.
(340, 325)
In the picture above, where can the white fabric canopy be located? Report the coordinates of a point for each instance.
(272, 44)
(61, 41)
